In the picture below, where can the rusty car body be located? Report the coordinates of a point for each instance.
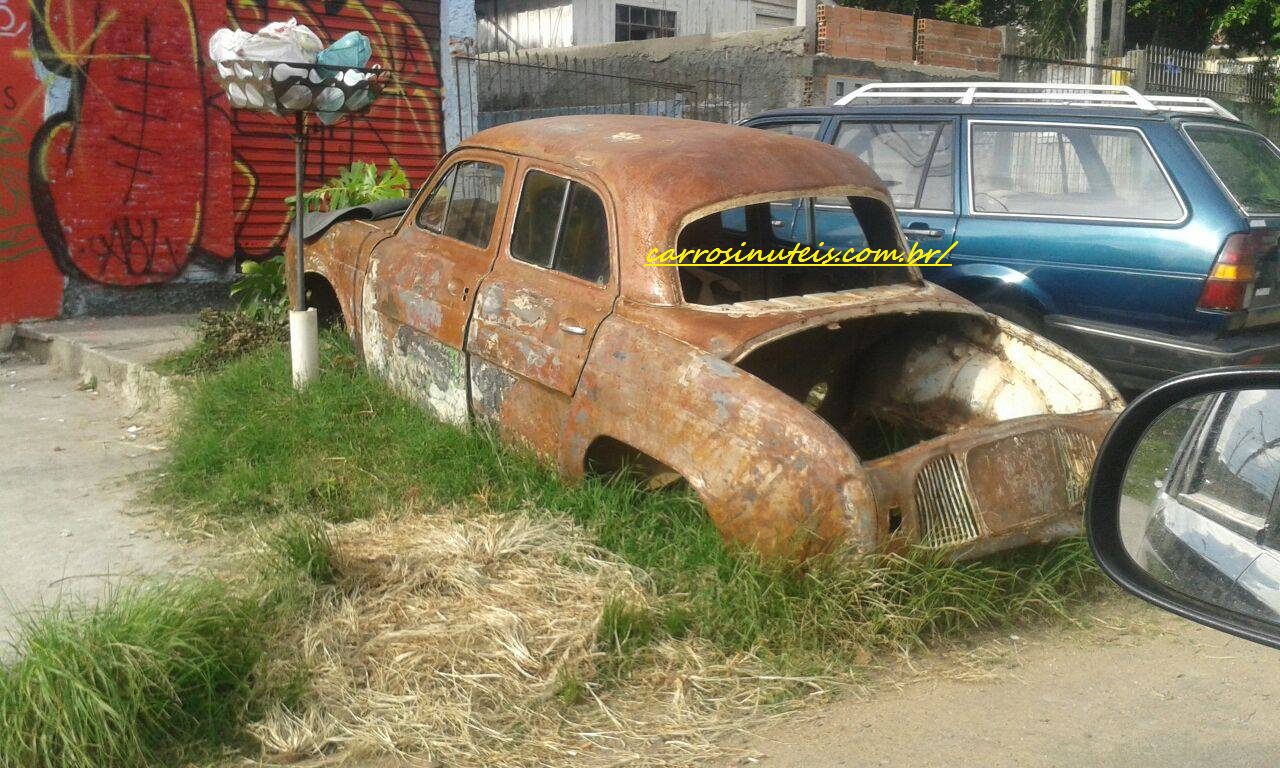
(806, 409)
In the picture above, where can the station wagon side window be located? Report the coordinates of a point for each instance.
(1068, 171)
(913, 158)
(464, 204)
(561, 224)
(805, 130)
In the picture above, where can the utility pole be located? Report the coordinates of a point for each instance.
(1093, 38)
(1115, 32)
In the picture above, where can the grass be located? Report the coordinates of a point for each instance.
(251, 448)
(158, 672)
(145, 674)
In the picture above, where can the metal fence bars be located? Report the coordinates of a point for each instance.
(527, 85)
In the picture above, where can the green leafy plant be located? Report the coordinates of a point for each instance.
(261, 290)
(358, 184)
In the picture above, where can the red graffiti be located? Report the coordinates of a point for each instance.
(140, 176)
(134, 178)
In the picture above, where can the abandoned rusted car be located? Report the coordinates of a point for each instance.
(806, 406)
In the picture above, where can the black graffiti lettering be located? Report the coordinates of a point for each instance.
(137, 245)
(10, 99)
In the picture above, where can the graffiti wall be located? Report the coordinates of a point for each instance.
(126, 182)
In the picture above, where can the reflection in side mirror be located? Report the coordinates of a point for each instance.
(1197, 504)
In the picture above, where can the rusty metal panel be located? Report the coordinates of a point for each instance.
(404, 123)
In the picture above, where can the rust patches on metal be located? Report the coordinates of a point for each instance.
(877, 417)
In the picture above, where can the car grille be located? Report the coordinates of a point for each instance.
(944, 504)
(949, 512)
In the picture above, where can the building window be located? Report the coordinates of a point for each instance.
(636, 23)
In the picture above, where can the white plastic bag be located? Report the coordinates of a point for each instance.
(282, 41)
(225, 44)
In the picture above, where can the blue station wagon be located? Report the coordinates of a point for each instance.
(1138, 231)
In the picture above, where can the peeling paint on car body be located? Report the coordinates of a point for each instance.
(752, 403)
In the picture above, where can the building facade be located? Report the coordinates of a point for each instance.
(510, 25)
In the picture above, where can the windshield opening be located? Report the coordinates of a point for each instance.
(810, 229)
(1245, 162)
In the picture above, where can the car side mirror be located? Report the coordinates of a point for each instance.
(1183, 509)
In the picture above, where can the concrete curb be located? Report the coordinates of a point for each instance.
(117, 358)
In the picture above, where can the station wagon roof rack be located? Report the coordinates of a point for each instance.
(1036, 93)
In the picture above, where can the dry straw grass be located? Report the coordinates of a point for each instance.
(450, 640)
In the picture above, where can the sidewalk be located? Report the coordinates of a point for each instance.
(113, 352)
(71, 458)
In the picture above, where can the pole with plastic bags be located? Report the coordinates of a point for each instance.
(281, 69)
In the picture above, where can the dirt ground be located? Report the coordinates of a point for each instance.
(1135, 687)
(67, 456)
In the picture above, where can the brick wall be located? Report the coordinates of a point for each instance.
(943, 44)
(854, 33)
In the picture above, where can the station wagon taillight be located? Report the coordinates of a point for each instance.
(1227, 287)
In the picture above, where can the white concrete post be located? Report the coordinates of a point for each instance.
(304, 345)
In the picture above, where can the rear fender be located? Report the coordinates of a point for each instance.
(772, 474)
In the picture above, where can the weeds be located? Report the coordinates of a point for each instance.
(222, 337)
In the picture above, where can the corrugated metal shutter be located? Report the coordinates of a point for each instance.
(405, 123)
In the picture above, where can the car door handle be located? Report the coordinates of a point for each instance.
(921, 230)
(576, 330)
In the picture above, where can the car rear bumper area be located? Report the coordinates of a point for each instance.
(985, 489)
(1137, 359)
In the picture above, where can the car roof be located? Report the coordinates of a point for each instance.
(1026, 111)
(663, 172)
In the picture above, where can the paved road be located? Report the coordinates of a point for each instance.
(66, 458)
(1169, 693)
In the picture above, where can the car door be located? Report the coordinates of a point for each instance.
(422, 282)
(537, 312)
(916, 160)
(1082, 213)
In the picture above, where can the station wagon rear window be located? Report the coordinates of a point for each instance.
(1071, 171)
(1245, 162)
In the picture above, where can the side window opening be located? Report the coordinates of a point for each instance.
(464, 204)
(561, 225)
(1086, 171)
(781, 225)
